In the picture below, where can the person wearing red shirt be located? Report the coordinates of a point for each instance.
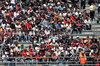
(66, 21)
(31, 52)
(73, 43)
(11, 14)
(24, 53)
(28, 25)
(50, 8)
(38, 56)
(79, 27)
(73, 18)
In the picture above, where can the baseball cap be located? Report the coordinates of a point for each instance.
(24, 49)
(84, 37)
(17, 22)
(58, 22)
(82, 52)
(30, 45)
(30, 48)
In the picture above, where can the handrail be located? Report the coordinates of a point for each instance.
(57, 57)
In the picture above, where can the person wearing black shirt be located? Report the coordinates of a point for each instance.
(83, 4)
(74, 28)
(12, 25)
(93, 40)
(12, 59)
(93, 47)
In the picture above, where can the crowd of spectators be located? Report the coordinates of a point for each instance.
(46, 23)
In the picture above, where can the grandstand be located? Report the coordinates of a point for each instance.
(37, 33)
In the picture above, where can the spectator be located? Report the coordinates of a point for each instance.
(92, 11)
(87, 24)
(45, 23)
(74, 28)
(83, 4)
(24, 53)
(82, 61)
(5, 58)
(99, 10)
(93, 40)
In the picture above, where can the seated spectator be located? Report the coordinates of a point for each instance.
(93, 40)
(24, 53)
(5, 58)
(87, 24)
(9, 33)
(54, 57)
(63, 27)
(27, 59)
(69, 27)
(82, 55)
(31, 52)
(74, 28)
(58, 26)
(79, 27)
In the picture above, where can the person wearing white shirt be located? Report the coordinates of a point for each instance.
(87, 24)
(47, 32)
(16, 14)
(69, 29)
(12, 1)
(37, 48)
(58, 52)
(3, 25)
(5, 59)
(30, 34)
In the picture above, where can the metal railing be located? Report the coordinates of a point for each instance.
(49, 63)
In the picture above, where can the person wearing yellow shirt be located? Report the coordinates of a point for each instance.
(82, 55)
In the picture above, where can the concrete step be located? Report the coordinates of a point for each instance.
(25, 43)
(81, 37)
(81, 34)
(96, 29)
(87, 32)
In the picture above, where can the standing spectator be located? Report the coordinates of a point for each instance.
(82, 60)
(99, 10)
(83, 4)
(92, 11)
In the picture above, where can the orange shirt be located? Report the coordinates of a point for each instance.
(82, 60)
